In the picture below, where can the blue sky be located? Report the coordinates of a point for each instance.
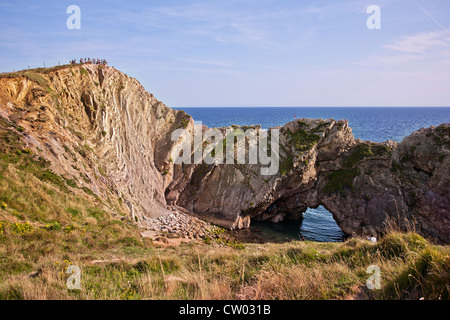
(233, 53)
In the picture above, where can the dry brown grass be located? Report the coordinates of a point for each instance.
(283, 271)
(69, 228)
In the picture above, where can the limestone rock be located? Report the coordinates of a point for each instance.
(103, 131)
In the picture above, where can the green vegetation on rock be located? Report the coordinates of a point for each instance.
(365, 150)
(338, 181)
(301, 139)
(286, 165)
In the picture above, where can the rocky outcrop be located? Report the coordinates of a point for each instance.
(101, 130)
(366, 186)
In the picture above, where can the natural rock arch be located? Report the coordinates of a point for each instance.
(125, 151)
(365, 185)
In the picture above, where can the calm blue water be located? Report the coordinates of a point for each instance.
(375, 124)
(316, 225)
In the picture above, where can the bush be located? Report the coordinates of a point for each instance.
(69, 229)
(53, 226)
(21, 228)
(96, 213)
(302, 140)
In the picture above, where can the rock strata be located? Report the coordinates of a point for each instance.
(107, 136)
(366, 186)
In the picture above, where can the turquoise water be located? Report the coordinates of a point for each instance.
(375, 124)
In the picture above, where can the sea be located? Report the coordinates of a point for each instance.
(377, 124)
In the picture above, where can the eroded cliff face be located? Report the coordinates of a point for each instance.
(101, 130)
(366, 186)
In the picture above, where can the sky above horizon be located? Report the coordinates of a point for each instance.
(249, 53)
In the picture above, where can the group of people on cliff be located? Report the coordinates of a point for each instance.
(89, 60)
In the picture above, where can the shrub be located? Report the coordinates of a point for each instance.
(396, 166)
(71, 183)
(21, 228)
(216, 236)
(129, 294)
(69, 229)
(129, 241)
(18, 215)
(302, 140)
(53, 226)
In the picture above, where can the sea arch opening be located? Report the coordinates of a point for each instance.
(315, 224)
(318, 224)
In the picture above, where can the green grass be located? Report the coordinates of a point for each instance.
(51, 177)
